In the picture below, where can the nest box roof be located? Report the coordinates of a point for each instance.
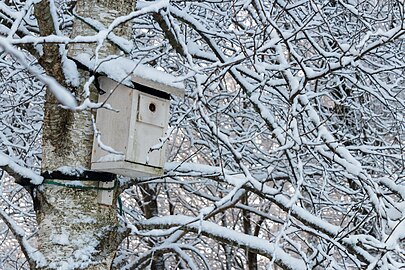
(127, 72)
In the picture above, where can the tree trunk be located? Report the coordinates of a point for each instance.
(75, 232)
(150, 210)
(247, 229)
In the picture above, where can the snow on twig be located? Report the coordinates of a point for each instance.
(255, 244)
(19, 172)
(34, 257)
(62, 94)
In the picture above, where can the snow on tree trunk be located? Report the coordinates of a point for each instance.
(75, 232)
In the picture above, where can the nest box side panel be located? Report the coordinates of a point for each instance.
(112, 125)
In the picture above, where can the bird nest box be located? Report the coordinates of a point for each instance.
(128, 141)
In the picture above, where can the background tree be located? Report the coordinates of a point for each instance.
(287, 150)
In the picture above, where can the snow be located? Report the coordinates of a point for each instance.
(268, 68)
(76, 183)
(84, 254)
(54, 16)
(31, 252)
(62, 94)
(240, 179)
(397, 235)
(398, 188)
(263, 246)
(5, 161)
(52, 39)
(350, 7)
(71, 73)
(193, 168)
(72, 171)
(344, 156)
(61, 239)
(125, 71)
(82, 219)
(194, 49)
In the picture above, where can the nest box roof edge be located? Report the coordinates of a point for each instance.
(127, 72)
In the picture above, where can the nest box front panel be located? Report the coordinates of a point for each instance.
(150, 125)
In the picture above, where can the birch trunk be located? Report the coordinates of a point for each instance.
(75, 232)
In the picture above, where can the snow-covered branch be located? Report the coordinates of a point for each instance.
(34, 257)
(212, 230)
(22, 175)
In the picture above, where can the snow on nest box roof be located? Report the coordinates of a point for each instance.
(127, 71)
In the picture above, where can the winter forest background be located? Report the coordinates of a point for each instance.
(287, 151)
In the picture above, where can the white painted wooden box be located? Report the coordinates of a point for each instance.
(139, 124)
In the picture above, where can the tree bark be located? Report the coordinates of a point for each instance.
(247, 229)
(75, 232)
(150, 209)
